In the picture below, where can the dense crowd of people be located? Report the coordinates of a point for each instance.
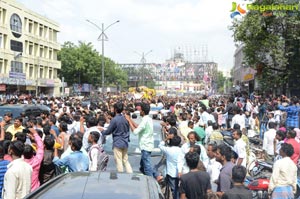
(196, 161)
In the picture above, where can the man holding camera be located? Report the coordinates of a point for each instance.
(146, 140)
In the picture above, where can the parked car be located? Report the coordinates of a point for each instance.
(28, 109)
(95, 185)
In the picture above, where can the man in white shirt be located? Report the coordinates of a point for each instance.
(172, 153)
(213, 167)
(271, 119)
(249, 106)
(185, 148)
(240, 148)
(91, 123)
(277, 115)
(17, 179)
(206, 116)
(238, 118)
(94, 151)
(283, 181)
(75, 126)
(268, 145)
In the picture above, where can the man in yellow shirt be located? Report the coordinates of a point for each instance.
(16, 127)
(216, 136)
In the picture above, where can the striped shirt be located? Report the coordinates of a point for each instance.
(292, 119)
(3, 169)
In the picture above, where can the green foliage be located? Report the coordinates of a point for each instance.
(82, 64)
(270, 40)
(220, 81)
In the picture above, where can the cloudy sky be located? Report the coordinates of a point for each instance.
(157, 25)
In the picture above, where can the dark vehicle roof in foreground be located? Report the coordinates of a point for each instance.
(90, 185)
(17, 109)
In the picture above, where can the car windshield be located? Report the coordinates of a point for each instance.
(16, 111)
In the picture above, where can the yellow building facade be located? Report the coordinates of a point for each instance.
(28, 52)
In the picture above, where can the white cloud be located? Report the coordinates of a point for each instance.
(145, 25)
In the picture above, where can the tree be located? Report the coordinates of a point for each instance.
(82, 64)
(220, 81)
(271, 45)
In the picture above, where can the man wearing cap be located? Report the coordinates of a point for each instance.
(8, 120)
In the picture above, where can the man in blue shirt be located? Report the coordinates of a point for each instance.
(292, 111)
(52, 122)
(119, 128)
(76, 160)
(3, 168)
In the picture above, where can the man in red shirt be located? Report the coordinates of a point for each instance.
(291, 134)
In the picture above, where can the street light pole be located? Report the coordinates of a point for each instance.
(143, 61)
(37, 69)
(102, 37)
(102, 60)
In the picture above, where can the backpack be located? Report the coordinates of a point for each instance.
(58, 170)
(102, 158)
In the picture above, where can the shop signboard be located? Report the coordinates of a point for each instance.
(17, 75)
(248, 74)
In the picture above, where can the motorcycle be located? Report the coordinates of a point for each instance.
(258, 187)
(228, 139)
(258, 168)
(256, 141)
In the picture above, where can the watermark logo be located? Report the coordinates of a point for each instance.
(239, 9)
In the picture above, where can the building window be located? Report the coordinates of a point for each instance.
(30, 49)
(54, 73)
(1, 15)
(41, 32)
(50, 54)
(16, 46)
(41, 73)
(50, 74)
(30, 70)
(16, 67)
(1, 66)
(16, 25)
(1, 38)
(41, 51)
(30, 27)
(35, 28)
(46, 32)
(54, 38)
(26, 68)
(50, 34)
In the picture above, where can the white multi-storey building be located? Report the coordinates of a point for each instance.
(28, 51)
